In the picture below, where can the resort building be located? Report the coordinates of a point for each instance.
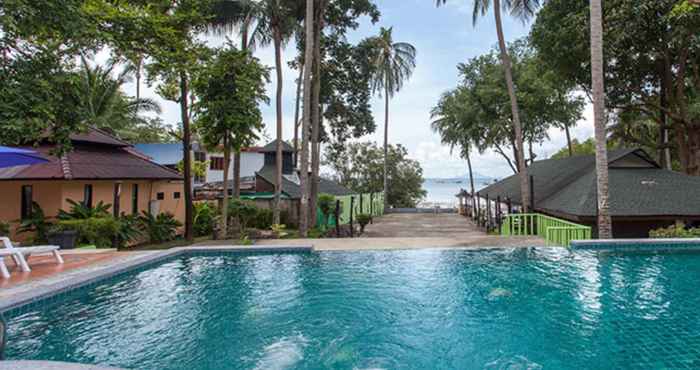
(98, 168)
(643, 196)
(170, 154)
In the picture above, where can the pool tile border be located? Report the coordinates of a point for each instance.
(21, 302)
(637, 245)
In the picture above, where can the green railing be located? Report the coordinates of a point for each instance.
(371, 204)
(551, 229)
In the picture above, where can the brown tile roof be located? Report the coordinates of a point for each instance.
(95, 155)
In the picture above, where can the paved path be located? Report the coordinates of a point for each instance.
(413, 231)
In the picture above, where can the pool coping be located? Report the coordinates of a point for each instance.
(636, 244)
(90, 276)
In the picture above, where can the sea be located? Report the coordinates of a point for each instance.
(441, 192)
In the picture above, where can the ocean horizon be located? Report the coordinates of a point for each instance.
(443, 191)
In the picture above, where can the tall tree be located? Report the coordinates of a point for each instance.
(306, 121)
(522, 9)
(393, 65)
(229, 91)
(236, 16)
(276, 24)
(599, 120)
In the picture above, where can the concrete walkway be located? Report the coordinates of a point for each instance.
(414, 231)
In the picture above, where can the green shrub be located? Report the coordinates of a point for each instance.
(675, 231)
(36, 223)
(244, 211)
(129, 230)
(80, 211)
(161, 228)
(4, 228)
(262, 219)
(363, 219)
(98, 231)
(204, 219)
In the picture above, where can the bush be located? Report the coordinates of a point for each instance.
(326, 204)
(204, 218)
(363, 219)
(4, 228)
(80, 211)
(262, 219)
(129, 230)
(245, 212)
(161, 228)
(675, 231)
(36, 223)
(98, 231)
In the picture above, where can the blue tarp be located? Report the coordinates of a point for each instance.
(11, 157)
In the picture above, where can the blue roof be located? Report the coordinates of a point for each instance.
(164, 154)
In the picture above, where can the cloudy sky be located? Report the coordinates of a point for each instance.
(443, 38)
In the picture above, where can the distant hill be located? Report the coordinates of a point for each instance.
(478, 180)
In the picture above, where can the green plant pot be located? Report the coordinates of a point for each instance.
(65, 239)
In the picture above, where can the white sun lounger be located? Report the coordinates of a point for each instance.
(22, 254)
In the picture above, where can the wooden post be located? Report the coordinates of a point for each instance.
(532, 194)
(362, 210)
(478, 210)
(352, 210)
(510, 206)
(499, 218)
(337, 218)
(488, 213)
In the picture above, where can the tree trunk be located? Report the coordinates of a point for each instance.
(505, 59)
(316, 116)
(296, 115)
(138, 79)
(224, 208)
(236, 174)
(278, 177)
(568, 140)
(471, 181)
(186, 156)
(306, 123)
(601, 152)
(386, 148)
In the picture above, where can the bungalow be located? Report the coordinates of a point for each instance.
(643, 196)
(291, 189)
(99, 168)
(170, 154)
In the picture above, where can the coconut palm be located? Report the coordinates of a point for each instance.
(277, 20)
(393, 64)
(306, 121)
(103, 104)
(601, 153)
(522, 9)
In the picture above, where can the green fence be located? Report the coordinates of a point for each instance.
(553, 230)
(370, 203)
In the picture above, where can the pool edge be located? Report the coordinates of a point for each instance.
(21, 299)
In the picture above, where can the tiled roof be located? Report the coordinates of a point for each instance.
(637, 186)
(94, 156)
(272, 147)
(294, 191)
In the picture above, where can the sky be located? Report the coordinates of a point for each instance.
(443, 38)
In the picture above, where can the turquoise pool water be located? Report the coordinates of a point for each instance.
(426, 309)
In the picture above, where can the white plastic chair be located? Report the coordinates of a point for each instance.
(21, 254)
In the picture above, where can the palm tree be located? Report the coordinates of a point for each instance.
(601, 152)
(276, 23)
(523, 9)
(304, 166)
(393, 64)
(103, 104)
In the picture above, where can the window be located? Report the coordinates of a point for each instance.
(176, 195)
(135, 199)
(200, 156)
(87, 196)
(26, 201)
(216, 163)
(160, 196)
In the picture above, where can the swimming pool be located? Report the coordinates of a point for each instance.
(420, 309)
